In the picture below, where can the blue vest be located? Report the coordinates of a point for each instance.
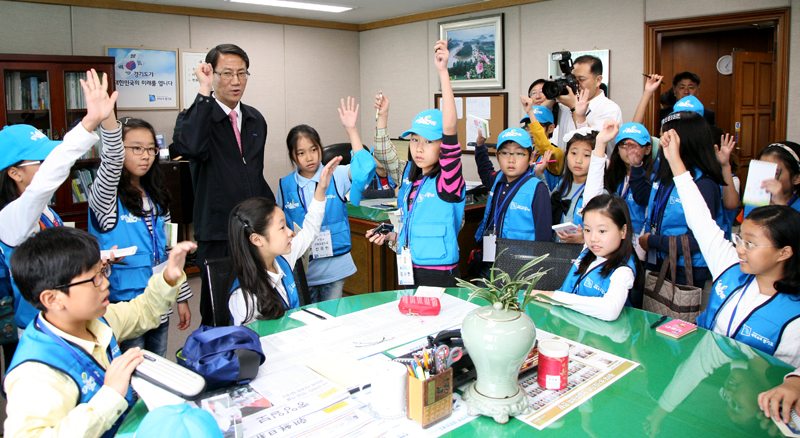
(376, 182)
(763, 328)
(23, 310)
(591, 283)
(40, 344)
(793, 202)
(515, 221)
(288, 284)
(335, 212)
(637, 212)
(577, 218)
(129, 281)
(673, 220)
(430, 230)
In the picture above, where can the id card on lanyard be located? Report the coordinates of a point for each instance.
(155, 259)
(405, 266)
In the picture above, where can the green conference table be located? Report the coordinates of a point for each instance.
(722, 404)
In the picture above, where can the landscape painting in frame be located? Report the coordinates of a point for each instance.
(476, 52)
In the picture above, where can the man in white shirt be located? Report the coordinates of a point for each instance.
(591, 107)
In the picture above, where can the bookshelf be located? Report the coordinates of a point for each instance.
(44, 91)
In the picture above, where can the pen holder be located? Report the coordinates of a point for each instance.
(430, 401)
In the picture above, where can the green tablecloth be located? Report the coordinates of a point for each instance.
(721, 403)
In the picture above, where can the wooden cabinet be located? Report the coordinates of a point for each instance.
(44, 91)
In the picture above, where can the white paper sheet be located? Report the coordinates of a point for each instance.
(758, 172)
(459, 106)
(480, 107)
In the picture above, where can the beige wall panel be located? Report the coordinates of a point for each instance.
(51, 22)
(668, 9)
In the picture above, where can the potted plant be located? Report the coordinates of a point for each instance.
(498, 338)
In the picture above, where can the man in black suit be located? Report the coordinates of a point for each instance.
(224, 139)
(685, 84)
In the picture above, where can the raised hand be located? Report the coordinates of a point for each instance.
(653, 83)
(325, 178)
(205, 75)
(671, 145)
(583, 103)
(177, 260)
(539, 168)
(527, 103)
(382, 103)
(607, 134)
(348, 113)
(441, 55)
(99, 105)
(724, 151)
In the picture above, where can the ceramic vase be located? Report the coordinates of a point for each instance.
(498, 341)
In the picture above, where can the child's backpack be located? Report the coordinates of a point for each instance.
(222, 355)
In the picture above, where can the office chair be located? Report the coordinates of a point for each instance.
(514, 254)
(220, 278)
(337, 149)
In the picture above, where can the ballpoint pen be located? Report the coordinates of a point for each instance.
(657, 323)
(315, 314)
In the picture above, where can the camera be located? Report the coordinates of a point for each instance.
(558, 87)
(384, 228)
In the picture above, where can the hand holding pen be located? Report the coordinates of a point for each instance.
(381, 110)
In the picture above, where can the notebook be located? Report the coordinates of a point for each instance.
(676, 328)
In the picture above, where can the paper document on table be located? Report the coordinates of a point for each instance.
(361, 334)
(430, 292)
(154, 396)
(342, 369)
(312, 317)
(757, 173)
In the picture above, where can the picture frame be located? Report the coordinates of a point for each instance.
(190, 86)
(477, 58)
(145, 77)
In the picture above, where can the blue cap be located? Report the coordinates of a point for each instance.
(362, 172)
(542, 114)
(634, 131)
(24, 143)
(428, 124)
(688, 103)
(177, 421)
(517, 135)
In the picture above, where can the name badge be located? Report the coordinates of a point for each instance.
(405, 269)
(489, 247)
(322, 246)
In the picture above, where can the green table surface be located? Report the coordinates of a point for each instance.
(723, 404)
(381, 214)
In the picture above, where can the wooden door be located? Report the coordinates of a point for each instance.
(753, 105)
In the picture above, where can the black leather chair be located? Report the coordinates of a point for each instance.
(220, 280)
(514, 254)
(337, 149)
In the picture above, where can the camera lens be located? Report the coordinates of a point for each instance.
(552, 89)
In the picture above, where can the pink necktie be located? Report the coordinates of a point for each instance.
(233, 116)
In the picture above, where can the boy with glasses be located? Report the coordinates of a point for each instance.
(68, 377)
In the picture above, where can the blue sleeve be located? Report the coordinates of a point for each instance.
(485, 166)
(341, 177)
(640, 186)
(711, 194)
(542, 213)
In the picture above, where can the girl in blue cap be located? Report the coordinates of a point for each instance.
(431, 198)
(129, 206)
(755, 297)
(331, 261)
(33, 169)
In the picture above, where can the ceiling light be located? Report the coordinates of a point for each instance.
(295, 5)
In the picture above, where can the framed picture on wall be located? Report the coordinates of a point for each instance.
(476, 52)
(146, 78)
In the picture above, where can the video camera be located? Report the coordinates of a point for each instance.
(558, 87)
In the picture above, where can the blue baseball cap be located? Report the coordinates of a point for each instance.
(688, 103)
(542, 114)
(427, 124)
(362, 172)
(634, 131)
(177, 421)
(24, 142)
(517, 135)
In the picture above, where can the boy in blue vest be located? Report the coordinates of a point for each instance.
(67, 377)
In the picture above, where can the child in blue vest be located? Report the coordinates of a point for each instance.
(785, 188)
(264, 250)
(599, 282)
(519, 203)
(68, 377)
(129, 206)
(431, 197)
(331, 261)
(567, 197)
(664, 215)
(755, 297)
(33, 169)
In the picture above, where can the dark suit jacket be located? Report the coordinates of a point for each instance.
(708, 114)
(223, 176)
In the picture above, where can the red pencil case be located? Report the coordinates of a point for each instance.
(419, 305)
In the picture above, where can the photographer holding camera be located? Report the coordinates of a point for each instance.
(591, 107)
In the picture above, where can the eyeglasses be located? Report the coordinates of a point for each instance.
(97, 280)
(139, 150)
(506, 154)
(737, 239)
(536, 93)
(29, 164)
(227, 75)
(629, 144)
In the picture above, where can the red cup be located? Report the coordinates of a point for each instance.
(553, 364)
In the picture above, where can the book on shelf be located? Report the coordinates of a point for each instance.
(26, 93)
(82, 184)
